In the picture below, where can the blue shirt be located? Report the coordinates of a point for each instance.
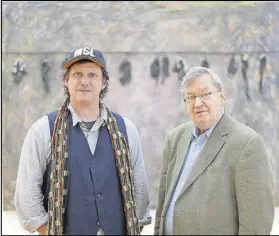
(195, 147)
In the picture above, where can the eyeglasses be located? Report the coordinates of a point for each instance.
(204, 96)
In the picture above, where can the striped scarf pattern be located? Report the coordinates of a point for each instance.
(59, 172)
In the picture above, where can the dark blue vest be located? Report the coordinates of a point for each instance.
(94, 194)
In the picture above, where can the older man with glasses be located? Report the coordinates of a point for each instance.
(216, 175)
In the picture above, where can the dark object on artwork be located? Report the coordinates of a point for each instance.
(19, 69)
(165, 65)
(262, 60)
(179, 68)
(205, 63)
(233, 67)
(244, 68)
(155, 70)
(45, 68)
(165, 62)
(125, 69)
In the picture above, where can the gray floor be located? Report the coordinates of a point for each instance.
(11, 226)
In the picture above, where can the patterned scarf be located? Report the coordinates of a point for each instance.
(59, 173)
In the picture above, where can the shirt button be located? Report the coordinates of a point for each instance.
(98, 223)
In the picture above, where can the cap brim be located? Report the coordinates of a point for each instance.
(70, 62)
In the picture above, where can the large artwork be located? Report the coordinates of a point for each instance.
(148, 48)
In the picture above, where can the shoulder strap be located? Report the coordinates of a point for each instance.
(46, 183)
(121, 125)
(51, 120)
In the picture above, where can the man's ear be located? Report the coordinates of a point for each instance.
(104, 84)
(223, 98)
(65, 81)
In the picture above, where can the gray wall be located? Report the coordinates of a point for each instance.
(137, 32)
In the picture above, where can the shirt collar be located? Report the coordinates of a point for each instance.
(208, 131)
(103, 117)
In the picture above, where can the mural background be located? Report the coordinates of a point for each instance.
(36, 37)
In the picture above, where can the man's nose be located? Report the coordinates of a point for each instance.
(198, 102)
(84, 80)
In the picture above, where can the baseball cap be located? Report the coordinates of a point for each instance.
(88, 53)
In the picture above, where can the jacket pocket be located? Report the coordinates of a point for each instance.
(217, 169)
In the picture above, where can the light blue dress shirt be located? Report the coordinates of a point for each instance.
(194, 150)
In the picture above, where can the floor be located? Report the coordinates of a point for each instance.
(11, 226)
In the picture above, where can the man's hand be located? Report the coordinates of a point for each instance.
(42, 230)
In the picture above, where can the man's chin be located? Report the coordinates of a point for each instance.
(84, 100)
(201, 118)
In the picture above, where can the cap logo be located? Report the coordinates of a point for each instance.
(86, 51)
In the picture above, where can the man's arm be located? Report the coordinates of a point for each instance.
(28, 197)
(139, 175)
(254, 189)
(162, 186)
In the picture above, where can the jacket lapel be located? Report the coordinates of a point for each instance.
(182, 148)
(211, 149)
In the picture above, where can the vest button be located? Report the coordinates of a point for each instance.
(98, 195)
(98, 223)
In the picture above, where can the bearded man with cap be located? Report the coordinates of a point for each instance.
(81, 169)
